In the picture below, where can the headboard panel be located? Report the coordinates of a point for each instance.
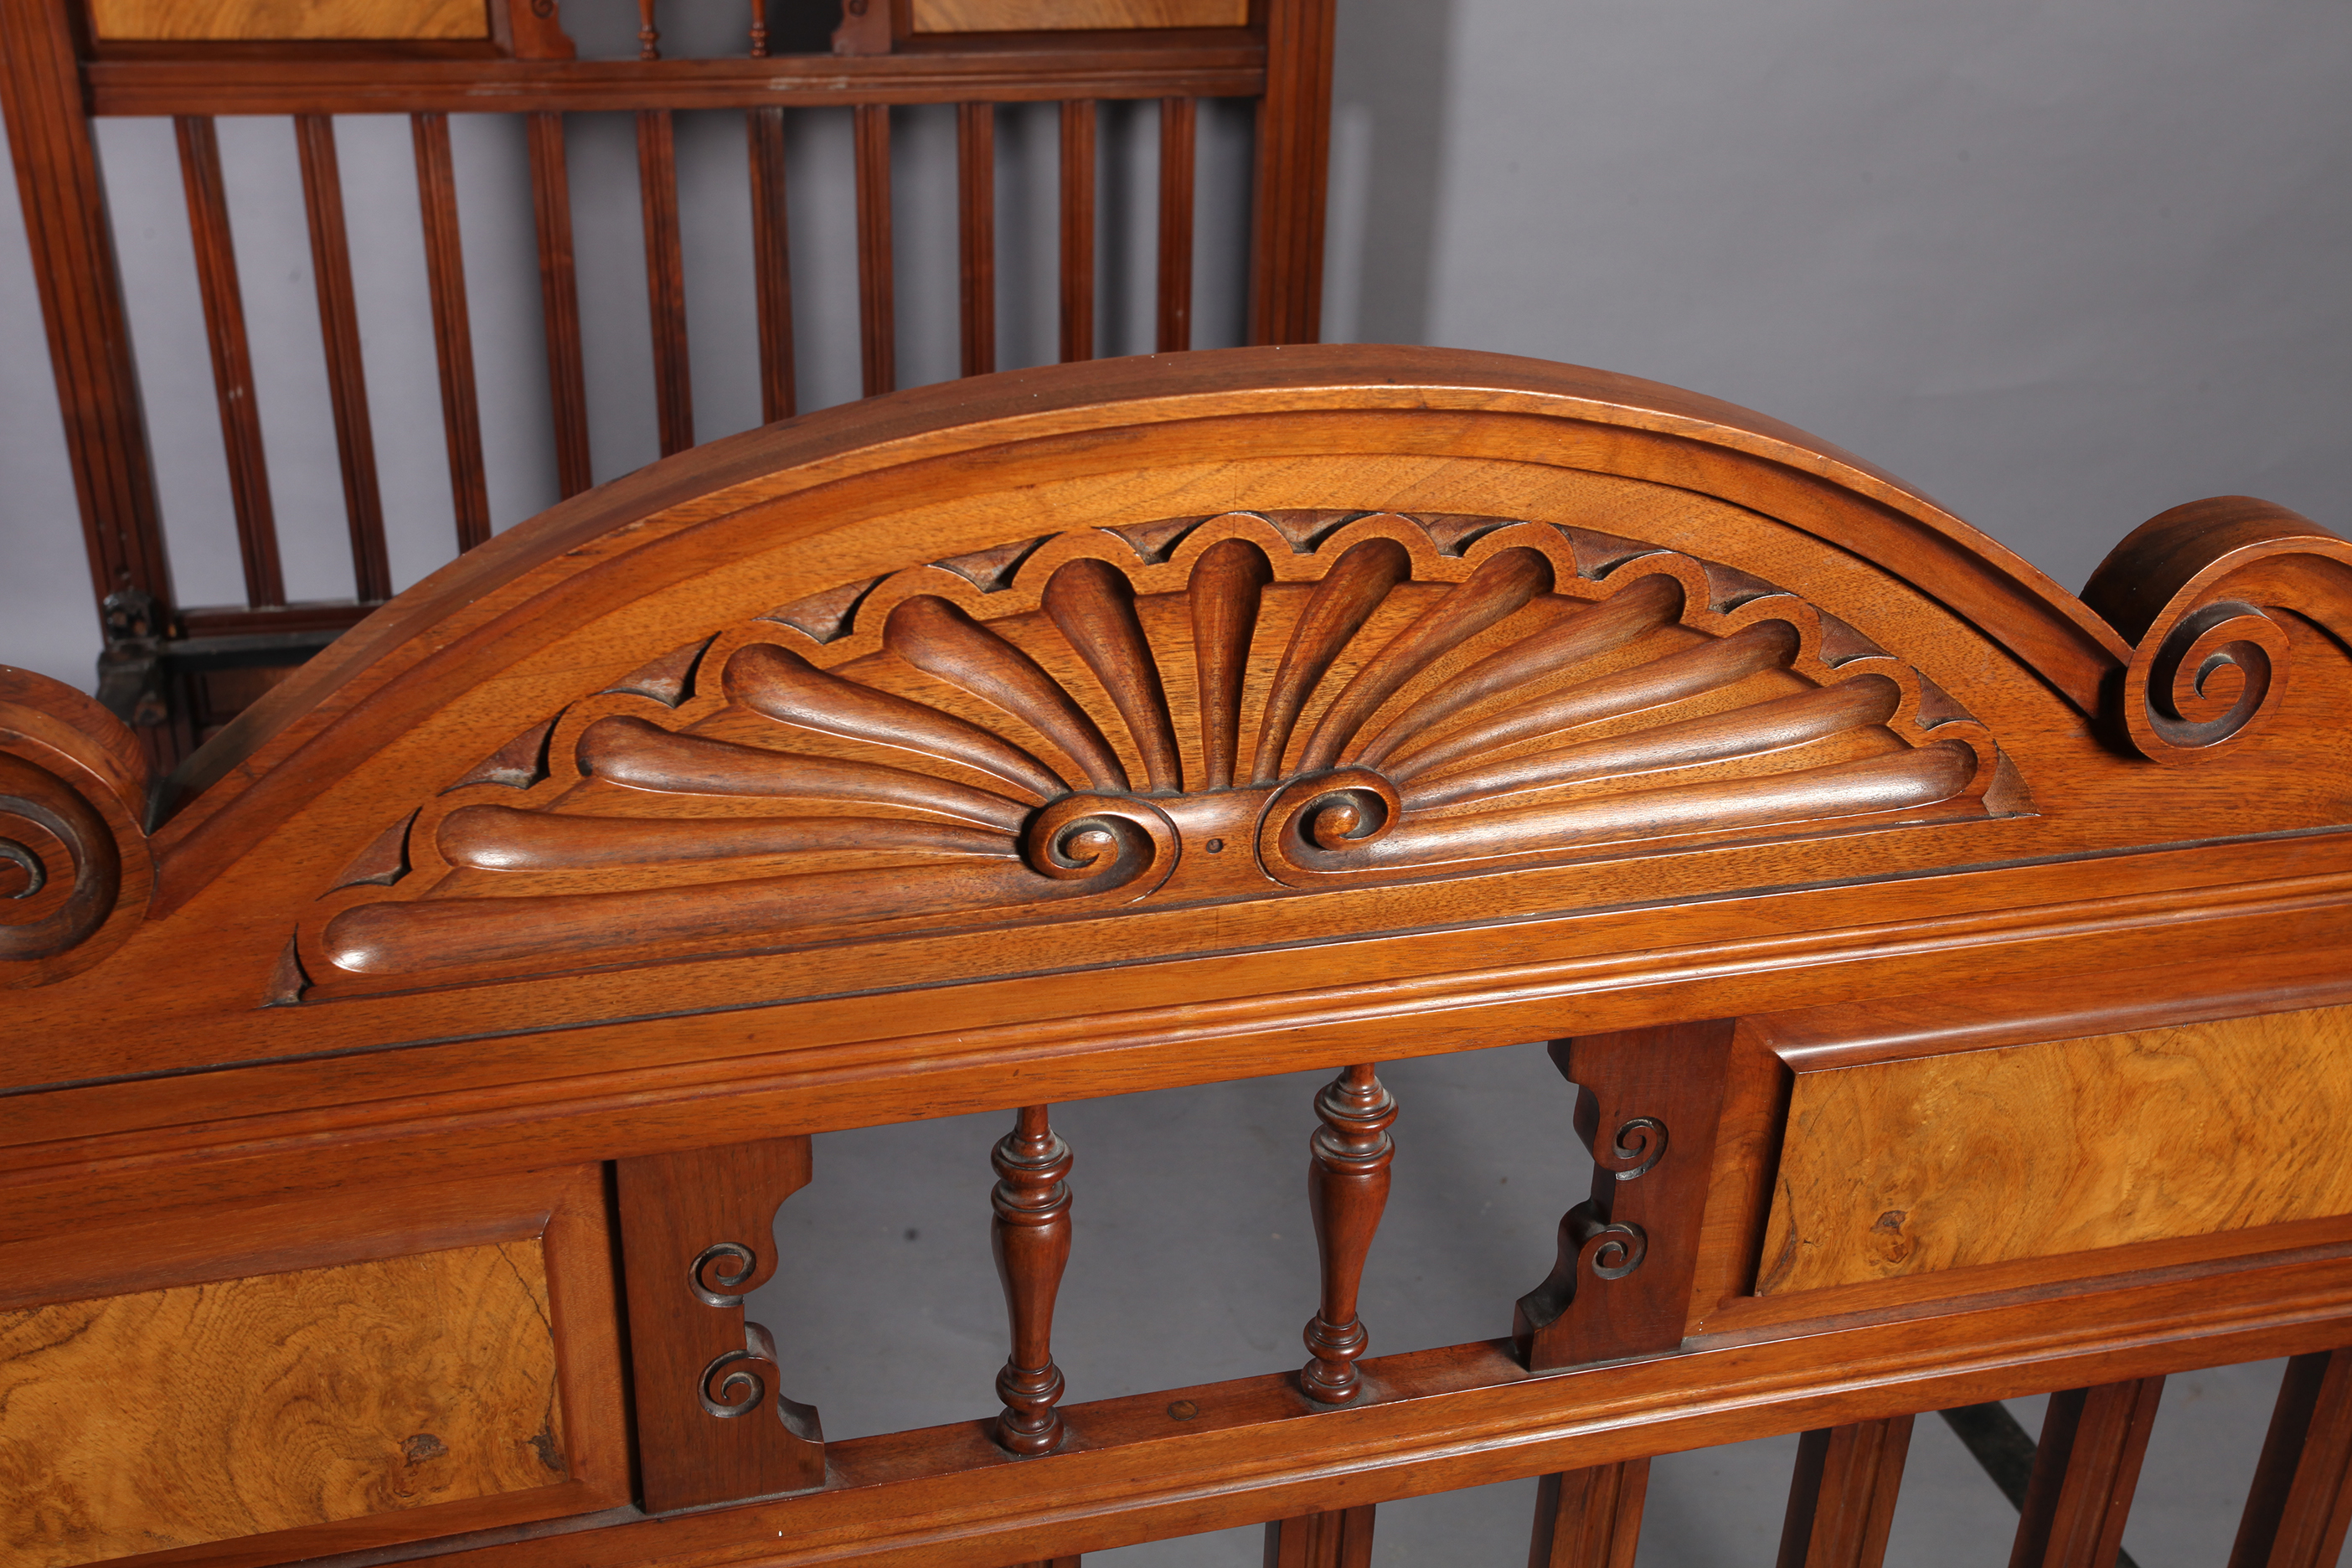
(950, 694)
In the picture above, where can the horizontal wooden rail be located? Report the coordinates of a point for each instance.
(1181, 1461)
(412, 86)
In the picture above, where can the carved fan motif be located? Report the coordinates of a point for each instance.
(1243, 706)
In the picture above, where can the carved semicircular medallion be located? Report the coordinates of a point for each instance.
(1236, 706)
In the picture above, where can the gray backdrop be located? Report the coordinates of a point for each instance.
(2063, 263)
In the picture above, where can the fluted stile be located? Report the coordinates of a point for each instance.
(1346, 1188)
(1031, 1237)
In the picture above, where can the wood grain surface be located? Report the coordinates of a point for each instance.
(257, 20)
(1906, 1167)
(1056, 16)
(201, 1413)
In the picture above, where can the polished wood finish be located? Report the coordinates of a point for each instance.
(258, 56)
(698, 1236)
(976, 235)
(2084, 1470)
(1294, 146)
(559, 298)
(215, 21)
(1031, 1240)
(331, 266)
(771, 257)
(1048, 16)
(452, 333)
(1589, 1518)
(72, 244)
(1340, 1539)
(1842, 1496)
(2159, 1132)
(2300, 1504)
(973, 751)
(1647, 1102)
(1178, 143)
(240, 415)
(665, 278)
(878, 327)
(1077, 203)
(1346, 1188)
(432, 1376)
(1192, 66)
(294, 1380)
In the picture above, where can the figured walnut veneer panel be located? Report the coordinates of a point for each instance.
(1059, 16)
(1903, 1167)
(219, 21)
(169, 1418)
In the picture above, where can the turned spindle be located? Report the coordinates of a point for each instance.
(759, 29)
(1031, 1237)
(648, 40)
(1346, 1187)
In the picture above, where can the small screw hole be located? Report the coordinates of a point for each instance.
(1216, 845)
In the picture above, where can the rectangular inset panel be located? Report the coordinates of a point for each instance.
(215, 21)
(201, 1413)
(1904, 1167)
(1064, 15)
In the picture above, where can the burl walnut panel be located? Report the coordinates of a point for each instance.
(1903, 1167)
(273, 20)
(169, 1418)
(1056, 16)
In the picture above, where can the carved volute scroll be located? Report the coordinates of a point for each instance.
(1647, 1102)
(698, 1236)
(74, 866)
(1208, 709)
(2195, 588)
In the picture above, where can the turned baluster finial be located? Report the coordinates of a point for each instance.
(1031, 1237)
(1346, 1188)
(759, 29)
(648, 40)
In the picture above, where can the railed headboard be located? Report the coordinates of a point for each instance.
(446, 1032)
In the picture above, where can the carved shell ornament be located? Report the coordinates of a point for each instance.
(1238, 706)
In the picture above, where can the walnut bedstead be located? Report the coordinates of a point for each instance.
(1953, 973)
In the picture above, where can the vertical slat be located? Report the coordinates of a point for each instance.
(876, 314)
(1294, 148)
(1590, 1519)
(339, 326)
(1842, 1498)
(1342, 1539)
(771, 261)
(1030, 1238)
(976, 232)
(559, 303)
(452, 333)
(80, 288)
(1179, 135)
(1346, 1188)
(248, 470)
(1077, 230)
(665, 278)
(2085, 1469)
(2300, 1505)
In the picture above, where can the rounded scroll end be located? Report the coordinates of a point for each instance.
(74, 867)
(1324, 821)
(2192, 589)
(1104, 841)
